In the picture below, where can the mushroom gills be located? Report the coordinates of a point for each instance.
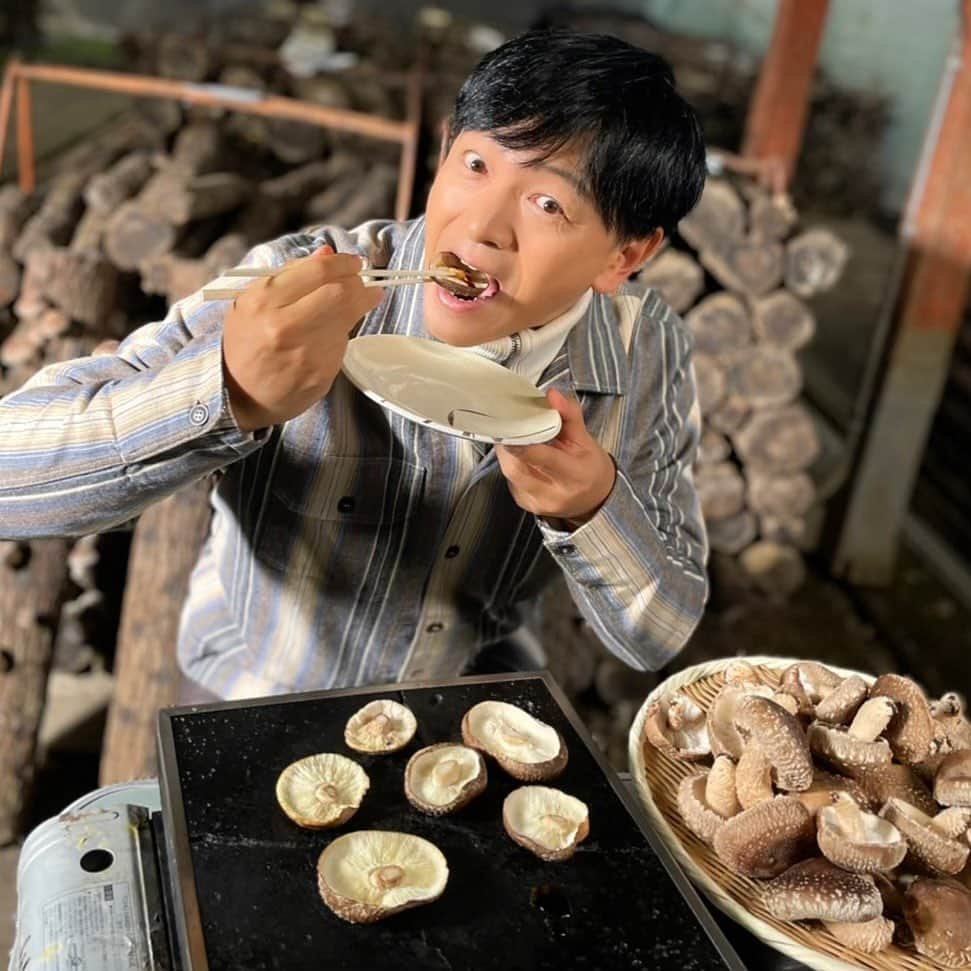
(370, 874)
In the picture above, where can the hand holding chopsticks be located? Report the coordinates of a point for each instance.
(371, 278)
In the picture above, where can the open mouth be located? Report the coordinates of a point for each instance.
(464, 282)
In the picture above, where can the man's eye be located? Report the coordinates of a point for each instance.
(549, 205)
(474, 163)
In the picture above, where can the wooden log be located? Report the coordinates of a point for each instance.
(135, 235)
(749, 267)
(711, 381)
(175, 277)
(164, 550)
(771, 217)
(50, 324)
(784, 531)
(676, 276)
(183, 58)
(323, 89)
(779, 440)
(180, 200)
(322, 206)
(21, 347)
(295, 142)
(198, 149)
(720, 325)
(782, 496)
(79, 617)
(732, 534)
(9, 279)
(730, 415)
(712, 448)
(721, 490)
(782, 320)
(718, 219)
(15, 209)
(109, 189)
(30, 601)
(83, 285)
(777, 571)
(765, 377)
(55, 221)
(91, 230)
(161, 114)
(814, 261)
(374, 199)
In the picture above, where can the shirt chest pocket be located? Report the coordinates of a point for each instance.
(326, 522)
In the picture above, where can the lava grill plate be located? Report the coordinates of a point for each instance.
(245, 876)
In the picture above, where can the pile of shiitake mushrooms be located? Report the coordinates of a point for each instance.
(368, 875)
(852, 801)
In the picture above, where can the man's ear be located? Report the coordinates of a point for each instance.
(627, 260)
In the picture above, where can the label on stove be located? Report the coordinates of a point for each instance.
(92, 929)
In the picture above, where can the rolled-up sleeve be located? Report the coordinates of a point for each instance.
(636, 569)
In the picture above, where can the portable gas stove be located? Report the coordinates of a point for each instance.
(202, 870)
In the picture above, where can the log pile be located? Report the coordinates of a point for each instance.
(140, 215)
(741, 273)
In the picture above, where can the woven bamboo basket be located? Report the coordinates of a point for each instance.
(657, 775)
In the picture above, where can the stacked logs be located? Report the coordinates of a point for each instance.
(740, 275)
(140, 215)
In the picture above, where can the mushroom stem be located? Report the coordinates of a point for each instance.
(953, 821)
(447, 772)
(872, 719)
(386, 878)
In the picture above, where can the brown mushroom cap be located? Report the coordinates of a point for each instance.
(809, 683)
(938, 913)
(911, 729)
(698, 816)
(841, 749)
(780, 736)
(857, 840)
(869, 936)
(723, 735)
(819, 890)
(825, 785)
(891, 780)
(842, 703)
(926, 842)
(952, 784)
(753, 778)
(766, 839)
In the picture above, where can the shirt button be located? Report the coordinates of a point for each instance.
(567, 549)
(346, 504)
(451, 553)
(199, 415)
(434, 628)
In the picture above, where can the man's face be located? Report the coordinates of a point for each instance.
(529, 227)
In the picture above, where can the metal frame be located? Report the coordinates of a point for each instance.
(18, 77)
(928, 296)
(189, 929)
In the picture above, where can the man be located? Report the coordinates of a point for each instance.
(350, 545)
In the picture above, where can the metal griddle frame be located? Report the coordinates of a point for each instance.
(188, 933)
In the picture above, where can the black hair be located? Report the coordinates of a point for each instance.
(643, 150)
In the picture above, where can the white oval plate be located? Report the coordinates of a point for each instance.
(450, 390)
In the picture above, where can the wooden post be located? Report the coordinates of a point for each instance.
(164, 550)
(6, 105)
(25, 138)
(924, 320)
(777, 114)
(31, 594)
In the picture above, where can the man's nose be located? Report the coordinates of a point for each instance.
(489, 221)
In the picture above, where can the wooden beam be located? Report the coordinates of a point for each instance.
(25, 137)
(6, 105)
(926, 315)
(777, 114)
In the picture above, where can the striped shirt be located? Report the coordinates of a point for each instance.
(352, 546)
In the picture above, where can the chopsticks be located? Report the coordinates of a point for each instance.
(372, 278)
